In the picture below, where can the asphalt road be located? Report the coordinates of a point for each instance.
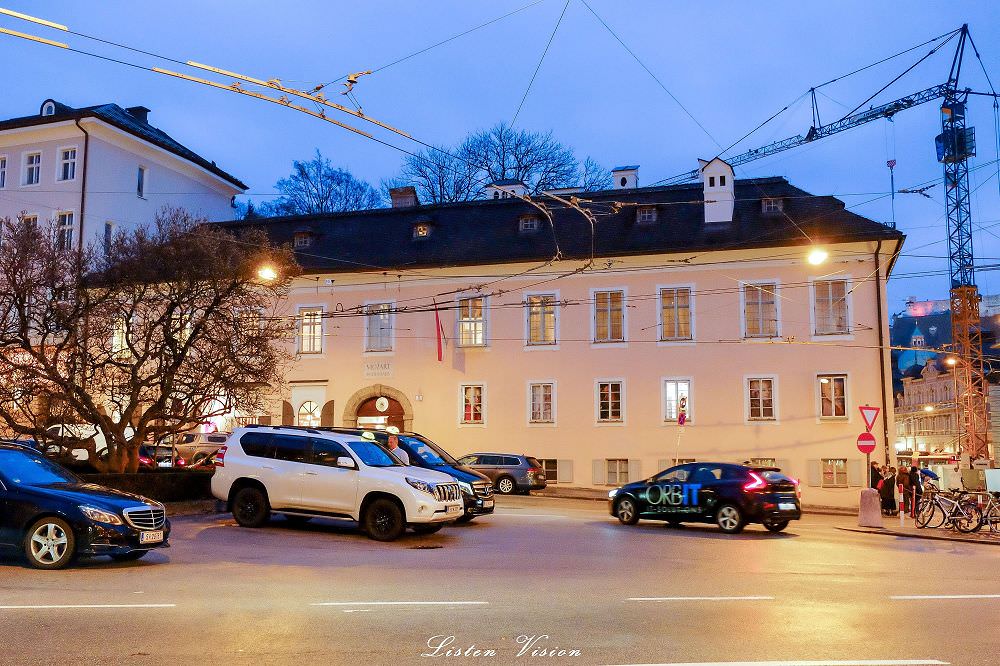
(559, 570)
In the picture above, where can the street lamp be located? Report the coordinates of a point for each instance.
(817, 256)
(267, 273)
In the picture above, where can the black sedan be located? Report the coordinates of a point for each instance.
(52, 516)
(722, 493)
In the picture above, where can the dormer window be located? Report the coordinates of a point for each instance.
(49, 109)
(771, 206)
(645, 215)
(711, 181)
(421, 230)
(303, 239)
(722, 181)
(528, 224)
(917, 341)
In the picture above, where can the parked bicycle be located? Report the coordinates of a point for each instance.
(955, 508)
(990, 513)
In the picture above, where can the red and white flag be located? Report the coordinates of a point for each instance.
(439, 332)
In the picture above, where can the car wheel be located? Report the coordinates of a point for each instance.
(505, 485)
(627, 511)
(430, 528)
(297, 521)
(250, 507)
(466, 518)
(49, 543)
(729, 518)
(384, 520)
(775, 525)
(130, 556)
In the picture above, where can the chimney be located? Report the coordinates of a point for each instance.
(140, 113)
(505, 189)
(720, 192)
(404, 197)
(625, 177)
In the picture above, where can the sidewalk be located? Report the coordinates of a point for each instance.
(891, 528)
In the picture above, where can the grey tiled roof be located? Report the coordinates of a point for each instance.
(487, 231)
(123, 120)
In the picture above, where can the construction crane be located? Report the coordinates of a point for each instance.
(955, 145)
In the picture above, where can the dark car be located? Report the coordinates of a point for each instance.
(53, 516)
(722, 493)
(509, 472)
(477, 489)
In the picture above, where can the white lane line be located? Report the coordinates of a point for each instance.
(401, 603)
(76, 606)
(919, 597)
(837, 662)
(530, 515)
(700, 599)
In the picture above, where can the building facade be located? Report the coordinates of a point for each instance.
(927, 423)
(579, 330)
(95, 170)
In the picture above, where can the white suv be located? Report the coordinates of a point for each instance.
(305, 473)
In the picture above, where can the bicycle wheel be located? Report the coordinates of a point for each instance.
(929, 514)
(967, 517)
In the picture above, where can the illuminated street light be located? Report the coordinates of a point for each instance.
(817, 256)
(928, 408)
(951, 360)
(267, 273)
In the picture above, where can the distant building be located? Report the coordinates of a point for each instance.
(98, 169)
(927, 423)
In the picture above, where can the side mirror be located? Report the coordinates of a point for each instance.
(346, 462)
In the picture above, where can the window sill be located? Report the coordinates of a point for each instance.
(610, 344)
(833, 419)
(484, 347)
(833, 337)
(606, 424)
(762, 422)
(310, 354)
(541, 424)
(552, 347)
(675, 424)
(378, 352)
(679, 342)
(472, 425)
(761, 338)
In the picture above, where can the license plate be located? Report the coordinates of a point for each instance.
(151, 537)
(454, 509)
(487, 504)
(786, 506)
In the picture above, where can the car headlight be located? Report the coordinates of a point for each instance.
(420, 485)
(611, 495)
(466, 487)
(100, 516)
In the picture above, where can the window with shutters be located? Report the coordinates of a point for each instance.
(309, 414)
(551, 468)
(675, 313)
(834, 472)
(617, 471)
(609, 316)
(762, 462)
(830, 307)
(472, 322)
(832, 396)
(541, 319)
(760, 399)
(760, 310)
(610, 399)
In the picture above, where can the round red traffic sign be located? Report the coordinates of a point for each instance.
(866, 442)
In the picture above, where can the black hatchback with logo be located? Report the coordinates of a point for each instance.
(729, 495)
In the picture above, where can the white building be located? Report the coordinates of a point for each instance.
(98, 169)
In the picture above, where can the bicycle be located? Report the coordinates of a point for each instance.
(955, 508)
(990, 513)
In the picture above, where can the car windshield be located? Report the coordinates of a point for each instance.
(25, 469)
(373, 455)
(429, 452)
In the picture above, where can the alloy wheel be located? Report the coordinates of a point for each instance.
(505, 486)
(49, 543)
(729, 518)
(626, 510)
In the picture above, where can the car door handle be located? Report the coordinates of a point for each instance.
(267, 467)
(308, 473)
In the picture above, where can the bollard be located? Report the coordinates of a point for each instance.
(902, 507)
(870, 512)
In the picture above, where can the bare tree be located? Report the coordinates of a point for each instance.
(316, 186)
(539, 160)
(169, 327)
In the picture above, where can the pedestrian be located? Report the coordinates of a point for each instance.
(394, 449)
(903, 481)
(916, 488)
(874, 475)
(887, 491)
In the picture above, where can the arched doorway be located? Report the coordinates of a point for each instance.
(364, 405)
(379, 413)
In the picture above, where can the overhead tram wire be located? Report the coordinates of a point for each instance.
(436, 44)
(545, 52)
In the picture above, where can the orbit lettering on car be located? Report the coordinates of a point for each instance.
(673, 494)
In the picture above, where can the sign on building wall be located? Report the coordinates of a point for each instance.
(378, 368)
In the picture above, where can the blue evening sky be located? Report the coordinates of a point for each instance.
(732, 64)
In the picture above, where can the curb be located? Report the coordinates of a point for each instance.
(193, 508)
(929, 535)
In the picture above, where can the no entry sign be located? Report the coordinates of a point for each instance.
(866, 442)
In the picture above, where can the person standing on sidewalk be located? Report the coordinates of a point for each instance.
(887, 491)
(916, 490)
(903, 481)
(874, 475)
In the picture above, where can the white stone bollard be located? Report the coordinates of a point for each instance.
(870, 513)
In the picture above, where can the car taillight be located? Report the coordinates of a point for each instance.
(145, 460)
(533, 470)
(180, 462)
(756, 482)
(798, 491)
(220, 457)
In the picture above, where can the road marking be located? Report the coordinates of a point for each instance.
(917, 597)
(838, 662)
(531, 515)
(700, 599)
(75, 606)
(401, 603)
